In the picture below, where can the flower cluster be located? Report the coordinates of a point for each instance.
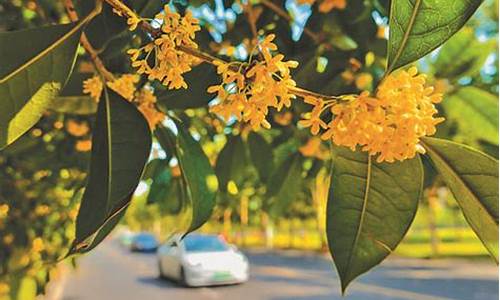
(161, 59)
(389, 124)
(326, 6)
(125, 86)
(146, 104)
(248, 90)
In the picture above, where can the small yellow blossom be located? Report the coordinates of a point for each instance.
(93, 86)
(37, 245)
(364, 81)
(83, 145)
(77, 128)
(42, 210)
(146, 104)
(283, 119)
(4, 210)
(132, 22)
(8, 239)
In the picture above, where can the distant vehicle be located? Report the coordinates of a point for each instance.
(202, 260)
(144, 242)
(126, 237)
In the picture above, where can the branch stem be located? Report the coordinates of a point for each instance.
(70, 8)
(205, 57)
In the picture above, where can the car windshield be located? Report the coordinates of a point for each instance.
(197, 243)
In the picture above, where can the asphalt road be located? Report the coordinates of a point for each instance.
(112, 272)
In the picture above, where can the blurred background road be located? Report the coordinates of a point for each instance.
(113, 272)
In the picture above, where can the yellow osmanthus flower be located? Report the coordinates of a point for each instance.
(4, 210)
(83, 145)
(37, 245)
(146, 104)
(168, 64)
(76, 128)
(8, 239)
(125, 85)
(248, 90)
(42, 210)
(93, 86)
(389, 124)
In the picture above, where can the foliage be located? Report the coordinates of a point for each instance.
(249, 106)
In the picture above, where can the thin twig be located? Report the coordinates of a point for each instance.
(280, 12)
(73, 16)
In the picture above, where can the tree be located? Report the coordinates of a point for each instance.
(289, 94)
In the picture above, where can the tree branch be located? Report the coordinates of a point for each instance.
(73, 16)
(126, 12)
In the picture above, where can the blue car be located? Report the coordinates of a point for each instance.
(144, 242)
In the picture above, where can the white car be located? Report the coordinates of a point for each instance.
(201, 260)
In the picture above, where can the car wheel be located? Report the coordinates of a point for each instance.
(160, 271)
(182, 277)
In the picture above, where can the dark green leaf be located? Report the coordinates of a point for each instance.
(285, 184)
(160, 185)
(370, 208)
(261, 155)
(121, 144)
(166, 138)
(231, 162)
(154, 167)
(476, 113)
(419, 26)
(472, 176)
(201, 182)
(35, 64)
(198, 80)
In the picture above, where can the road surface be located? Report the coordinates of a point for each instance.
(112, 272)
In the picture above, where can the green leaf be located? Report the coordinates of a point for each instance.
(71, 100)
(121, 144)
(154, 167)
(74, 105)
(201, 182)
(174, 199)
(476, 113)
(166, 138)
(106, 27)
(285, 184)
(231, 162)
(160, 186)
(35, 64)
(370, 208)
(261, 154)
(472, 176)
(198, 80)
(419, 26)
(463, 55)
